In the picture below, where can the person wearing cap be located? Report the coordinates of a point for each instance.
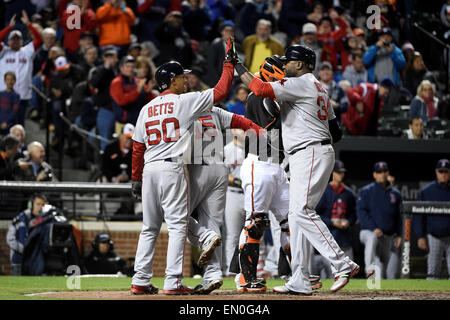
(128, 92)
(378, 211)
(261, 44)
(356, 72)
(194, 80)
(384, 59)
(18, 58)
(72, 34)
(337, 208)
(102, 259)
(100, 80)
(309, 39)
(338, 98)
(62, 82)
(216, 53)
(174, 41)
(366, 102)
(116, 164)
(433, 232)
(115, 19)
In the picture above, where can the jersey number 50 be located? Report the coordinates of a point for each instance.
(154, 134)
(323, 111)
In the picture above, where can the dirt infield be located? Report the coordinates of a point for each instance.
(232, 295)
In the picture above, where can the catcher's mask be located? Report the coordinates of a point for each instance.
(272, 69)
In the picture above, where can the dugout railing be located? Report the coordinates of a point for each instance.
(410, 209)
(78, 200)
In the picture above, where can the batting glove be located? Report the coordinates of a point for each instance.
(230, 53)
(136, 190)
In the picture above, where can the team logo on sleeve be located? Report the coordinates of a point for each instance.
(282, 81)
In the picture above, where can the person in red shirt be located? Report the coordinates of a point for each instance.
(72, 32)
(331, 39)
(365, 104)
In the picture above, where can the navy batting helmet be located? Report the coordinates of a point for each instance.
(166, 72)
(272, 69)
(301, 53)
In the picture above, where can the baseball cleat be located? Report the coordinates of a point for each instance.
(208, 250)
(342, 280)
(141, 290)
(286, 290)
(207, 286)
(180, 291)
(370, 273)
(316, 284)
(257, 285)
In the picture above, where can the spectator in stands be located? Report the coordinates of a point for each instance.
(356, 73)
(425, 103)
(433, 232)
(415, 130)
(128, 92)
(384, 59)
(49, 40)
(151, 15)
(361, 37)
(9, 104)
(134, 50)
(309, 39)
(87, 40)
(216, 53)
(9, 146)
(196, 18)
(145, 69)
(115, 20)
(378, 212)
(103, 259)
(101, 79)
(174, 42)
(338, 98)
(194, 80)
(293, 15)
(61, 86)
(116, 163)
(90, 60)
(365, 104)
(18, 231)
(220, 9)
(331, 37)
(238, 104)
(23, 66)
(416, 72)
(337, 210)
(349, 47)
(33, 167)
(316, 12)
(72, 32)
(260, 45)
(251, 13)
(18, 131)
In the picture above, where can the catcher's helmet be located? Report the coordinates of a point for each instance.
(272, 69)
(166, 72)
(301, 53)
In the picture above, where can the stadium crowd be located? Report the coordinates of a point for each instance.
(95, 61)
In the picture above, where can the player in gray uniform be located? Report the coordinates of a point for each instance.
(308, 127)
(208, 186)
(234, 210)
(163, 134)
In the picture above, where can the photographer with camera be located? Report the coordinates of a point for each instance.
(384, 59)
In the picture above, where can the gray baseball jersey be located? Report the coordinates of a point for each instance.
(305, 111)
(165, 123)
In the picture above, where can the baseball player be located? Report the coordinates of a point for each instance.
(308, 128)
(208, 186)
(234, 154)
(162, 134)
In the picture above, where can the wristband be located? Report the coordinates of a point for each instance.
(240, 69)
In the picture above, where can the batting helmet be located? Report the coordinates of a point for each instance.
(272, 69)
(301, 53)
(166, 72)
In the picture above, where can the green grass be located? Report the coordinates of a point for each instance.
(14, 288)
